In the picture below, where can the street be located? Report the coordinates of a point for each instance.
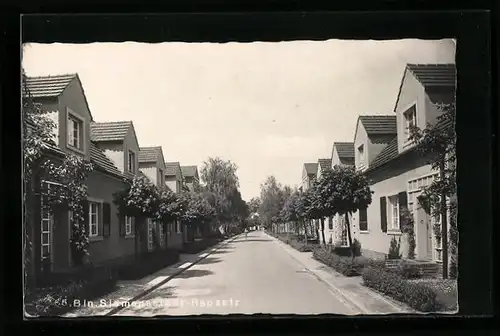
(248, 276)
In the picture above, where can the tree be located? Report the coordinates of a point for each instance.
(289, 211)
(271, 201)
(254, 204)
(198, 211)
(438, 143)
(342, 190)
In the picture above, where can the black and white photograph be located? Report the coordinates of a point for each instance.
(295, 177)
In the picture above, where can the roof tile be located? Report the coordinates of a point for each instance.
(431, 75)
(311, 168)
(172, 168)
(345, 149)
(324, 163)
(47, 86)
(387, 154)
(189, 171)
(109, 131)
(379, 124)
(149, 154)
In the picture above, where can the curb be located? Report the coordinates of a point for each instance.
(170, 277)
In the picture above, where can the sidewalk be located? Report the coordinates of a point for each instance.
(350, 290)
(131, 290)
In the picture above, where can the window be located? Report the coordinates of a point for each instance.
(162, 178)
(94, 218)
(330, 223)
(436, 222)
(75, 132)
(47, 222)
(393, 213)
(177, 226)
(131, 161)
(363, 220)
(128, 225)
(150, 234)
(160, 229)
(361, 155)
(410, 119)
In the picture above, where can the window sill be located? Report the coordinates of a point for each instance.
(394, 233)
(364, 231)
(76, 150)
(96, 238)
(129, 236)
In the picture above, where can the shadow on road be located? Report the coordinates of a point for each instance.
(222, 250)
(252, 240)
(209, 260)
(193, 273)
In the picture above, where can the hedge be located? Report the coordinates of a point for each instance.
(345, 265)
(56, 294)
(147, 263)
(416, 295)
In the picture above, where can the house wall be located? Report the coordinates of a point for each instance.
(102, 187)
(361, 138)
(171, 182)
(335, 157)
(130, 143)
(74, 98)
(390, 181)
(444, 95)
(115, 152)
(376, 143)
(412, 92)
(150, 170)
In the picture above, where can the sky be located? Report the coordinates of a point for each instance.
(269, 107)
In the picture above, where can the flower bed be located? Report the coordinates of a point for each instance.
(345, 265)
(419, 296)
(147, 263)
(61, 290)
(199, 245)
(446, 291)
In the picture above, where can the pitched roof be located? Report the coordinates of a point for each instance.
(172, 168)
(344, 149)
(150, 154)
(431, 75)
(311, 168)
(324, 163)
(109, 131)
(47, 86)
(379, 124)
(387, 154)
(100, 159)
(189, 171)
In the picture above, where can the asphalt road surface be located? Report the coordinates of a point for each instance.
(247, 276)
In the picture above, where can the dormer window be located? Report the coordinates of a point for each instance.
(131, 161)
(410, 120)
(75, 131)
(361, 156)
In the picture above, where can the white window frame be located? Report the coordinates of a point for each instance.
(98, 216)
(177, 226)
(412, 112)
(150, 234)
(128, 225)
(361, 155)
(72, 119)
(131, 161)
(393, 202)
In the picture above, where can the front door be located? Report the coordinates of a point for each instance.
(423, 234)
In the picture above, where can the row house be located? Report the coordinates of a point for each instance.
(191, 178)
(324, 164)
(175, 181)
(397, 172)
(63, 99)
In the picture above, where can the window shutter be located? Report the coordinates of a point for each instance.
(383, 214)
(106, 219)
(403, 204)
(121, 224)
(363, 219)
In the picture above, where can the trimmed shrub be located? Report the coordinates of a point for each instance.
(56, 300)
(356, 247)
(417, 295)
(147, 263)
(409, 270)
(394, 249)
(345, 265)
(342, 251)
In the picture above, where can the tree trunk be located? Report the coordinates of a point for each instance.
(444, 222)
(304, 223)
(323, 230)
(348, 227)
(316, 227)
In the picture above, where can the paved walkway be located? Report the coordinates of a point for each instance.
(350, 289)
(132, 289)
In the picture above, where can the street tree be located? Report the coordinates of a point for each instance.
(254, 204)
(438, 144)
(271, 202)
(288, 212)
(342, 190)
